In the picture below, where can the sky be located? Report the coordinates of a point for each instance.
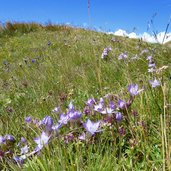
(105, 15)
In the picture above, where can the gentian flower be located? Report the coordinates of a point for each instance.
(151, 65)
(33, 60)
(19, 159)
(57, 127)
(133, 89)
(149, 58)
(90, 102)
(74, 115)
(122, 131)
(154, 83)
(107, 111)
(82, 136)
(109, 49)
(121, 104)
(151, 70)
(112, 105)
(101, 100)
(87, 110)
(48, 121)
(63, 119)
(24, 149)
(123, 56)
(28, 119)
(56, 110)
(9, 138)
(105, 52)
(41, 141)
(69, 137)
(23, 140)
(2, 139)
(71, 106)
(118, 116)
(98, 107)
(91, 127)
(144, 51)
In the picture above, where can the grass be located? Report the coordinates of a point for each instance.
(44, 67)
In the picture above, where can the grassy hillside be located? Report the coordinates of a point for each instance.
(168, 44)
(44, 68)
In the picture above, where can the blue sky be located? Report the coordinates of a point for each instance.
(109, 15)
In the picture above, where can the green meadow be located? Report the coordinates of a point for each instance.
(43, 67)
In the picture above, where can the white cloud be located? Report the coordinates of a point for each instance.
(145, 36)
(120, 32)
(132, 35)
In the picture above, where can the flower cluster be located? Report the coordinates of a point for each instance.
(111, 110)
(154, 83)
(106, 52)
(151, 64)
(97, 116)
(123, 56)
(152, 68)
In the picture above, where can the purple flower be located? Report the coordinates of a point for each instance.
(112, 105)
(2, 139)
(24, 149)
(151, 65)
(33, 60)
(19, 159)
(71, 106)
(74, 115)
(57, 127)
(151, 70)
(109, 48)
(69, 137)
(56, 110)
(122, 131)
(105, 52)
(90, 102)
(91, 127)
(63, 119)
(87, 110)
(82, 136)
(98, 107)
(118, 116)
(144, 51)
(41, 141)
(28, 119)
(9, 138)
(23, 140)
(107, 111)
(101, 100)
(123, 56)
(121, 104)
(133, 89)
(154, 83)
(48, 121)
(149, 58)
